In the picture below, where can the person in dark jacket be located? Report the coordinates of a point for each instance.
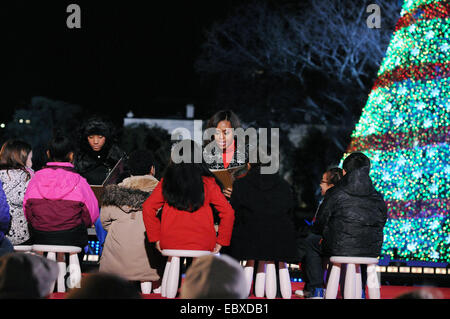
(96, 155)
(309, 243)
(97, 152)
(264, 228)
(5, 217)
(352, 215)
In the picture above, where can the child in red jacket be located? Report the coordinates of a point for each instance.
(185, 194)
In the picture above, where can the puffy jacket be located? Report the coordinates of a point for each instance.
(58, 198)
(352, 217)
(189, 230)
(4, 213)
(125, 251)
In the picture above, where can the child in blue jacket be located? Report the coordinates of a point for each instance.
(5, 217)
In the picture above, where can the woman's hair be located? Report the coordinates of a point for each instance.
(182, 185)
(59, 148)
(224, 115)
(334, 175)
(13, 155)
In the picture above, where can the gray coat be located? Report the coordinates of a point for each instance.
(124, 252)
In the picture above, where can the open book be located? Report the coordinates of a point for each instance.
(228, 175)
(110, 179)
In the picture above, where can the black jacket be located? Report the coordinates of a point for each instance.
(352, 217)
(95, 166)
(92, 165)
(263, 227)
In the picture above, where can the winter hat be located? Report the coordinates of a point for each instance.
(214, 277)
(97, 126)
(24, 275)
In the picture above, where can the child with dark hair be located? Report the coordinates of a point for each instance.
(185, 194)
(59, 204)
(127, 252)
(309, 243)
(352, 216)
(15, 172)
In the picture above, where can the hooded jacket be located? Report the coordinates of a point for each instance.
(124, 252)
(264, 223)
(4, 213)
(352, 217)
(95, 165)
(189, 230)
(58, 198)
(15, 182)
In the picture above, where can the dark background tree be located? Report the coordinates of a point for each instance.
(156, 139)
(281, 64)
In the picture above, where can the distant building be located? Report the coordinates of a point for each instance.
(178, 128)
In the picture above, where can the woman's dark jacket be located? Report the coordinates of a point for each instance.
(263, 227)
(352, 217)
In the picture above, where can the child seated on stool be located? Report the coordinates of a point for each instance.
(185, 194)
(125, 252)
(59, 204)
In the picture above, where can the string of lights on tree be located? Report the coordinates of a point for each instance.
(404, 129)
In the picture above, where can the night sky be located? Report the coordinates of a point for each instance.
(127, 55)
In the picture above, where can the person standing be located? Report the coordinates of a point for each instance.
(96, 155)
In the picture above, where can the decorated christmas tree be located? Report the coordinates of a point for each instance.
(404, 129)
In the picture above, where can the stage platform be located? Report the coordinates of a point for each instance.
(387, 292)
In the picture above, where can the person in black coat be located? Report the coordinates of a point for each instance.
(96, 155)
(264, 210)
(308, 243)
(350, 220)
(97, 152)
(352, 216)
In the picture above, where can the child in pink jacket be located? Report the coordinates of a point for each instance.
(59, 204)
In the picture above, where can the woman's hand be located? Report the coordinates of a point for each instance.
(227, 192)
(217, 248)
(158, 246)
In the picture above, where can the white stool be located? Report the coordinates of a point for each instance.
(266, 280)
(169, 285)
(146, 287)
(74, 268)
(23, 248)
(353, 285)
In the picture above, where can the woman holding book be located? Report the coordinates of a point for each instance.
(225, 153)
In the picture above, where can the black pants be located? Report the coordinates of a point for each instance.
(313, 264)
(76, 236)
(312, 261)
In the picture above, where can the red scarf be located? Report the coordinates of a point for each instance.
(228, 154)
